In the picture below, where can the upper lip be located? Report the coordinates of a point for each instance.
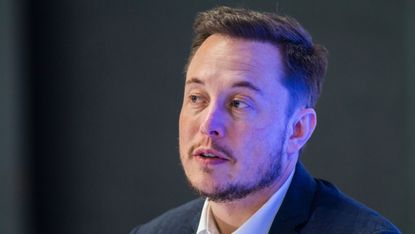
(217, 153)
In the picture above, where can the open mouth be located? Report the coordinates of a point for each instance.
(208, 155)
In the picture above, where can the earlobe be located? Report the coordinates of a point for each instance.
(302, 127)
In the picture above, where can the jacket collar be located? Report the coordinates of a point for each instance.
(295, 208)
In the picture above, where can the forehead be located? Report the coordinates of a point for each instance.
(230, 58)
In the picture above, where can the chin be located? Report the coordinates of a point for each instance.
(204, 184)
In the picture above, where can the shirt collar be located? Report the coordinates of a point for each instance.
(207, 224)
(260, 222)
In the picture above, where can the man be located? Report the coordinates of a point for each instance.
(252, 82)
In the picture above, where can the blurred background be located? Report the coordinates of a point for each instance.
(90, 93)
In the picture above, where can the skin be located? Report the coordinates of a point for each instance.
(234, 104)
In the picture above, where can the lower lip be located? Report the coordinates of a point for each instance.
(211, 161)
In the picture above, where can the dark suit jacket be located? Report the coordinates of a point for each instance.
(310, 206)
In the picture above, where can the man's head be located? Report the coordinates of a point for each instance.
(251, 81)
(304, 62)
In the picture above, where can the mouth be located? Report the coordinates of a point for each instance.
(210, 156)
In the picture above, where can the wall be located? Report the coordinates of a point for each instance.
(14, 184)
(104, 91)
(410, 116)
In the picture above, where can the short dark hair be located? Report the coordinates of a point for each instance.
(305, 63)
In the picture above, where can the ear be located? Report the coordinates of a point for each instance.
(301, 128)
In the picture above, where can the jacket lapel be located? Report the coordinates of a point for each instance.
(188, 222)
(295, 209)
(195, 221)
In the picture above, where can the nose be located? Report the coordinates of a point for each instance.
(213, 124)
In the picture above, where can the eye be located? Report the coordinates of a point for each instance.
(238, 104)
(196, 99)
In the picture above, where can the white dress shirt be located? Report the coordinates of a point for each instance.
(259, 223)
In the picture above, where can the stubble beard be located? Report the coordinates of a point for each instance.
(269, 174)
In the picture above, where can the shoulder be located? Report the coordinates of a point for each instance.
(182, 219)
(335, 211)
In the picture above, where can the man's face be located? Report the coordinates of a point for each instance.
(232, 129)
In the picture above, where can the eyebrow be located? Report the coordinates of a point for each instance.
(194, 81)
(239, 84)
(247, 84)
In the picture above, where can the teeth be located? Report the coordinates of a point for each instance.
(209, 155)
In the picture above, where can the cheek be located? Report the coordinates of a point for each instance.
(248, 145)
(182, 134)
(263, 141)
(186, 126)
(188, 129)
(260, 143)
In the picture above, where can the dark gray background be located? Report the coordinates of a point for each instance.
(91, 92)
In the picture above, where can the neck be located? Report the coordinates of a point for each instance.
(229, 216)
